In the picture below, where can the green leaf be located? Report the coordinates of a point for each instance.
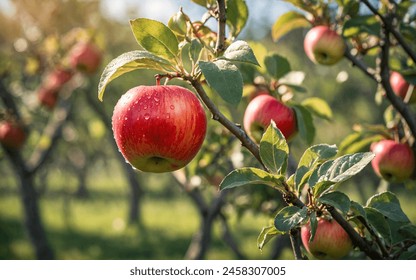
(277, 66)
(237, 16)
(338, 200)
(318, 107)
(310, 159)
(274, 150)
(388, 205)
(340, 170)
(305, 124)
(240, 51)
(225, 78)
(378, 222)
(287, 23)
(408, 231)
(155, 37)
(267, 234)
(290, 217)
(248, 175)
(357, 209)
(313, 221)
(361, 24)
(195, 50)
(358, 142)
(128, 62)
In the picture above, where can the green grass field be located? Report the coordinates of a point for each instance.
(97, 227)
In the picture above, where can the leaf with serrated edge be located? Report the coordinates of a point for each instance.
(248, 175)
(127, 62)
(219, 75)
(155, 37)
(388, 205)
(289, 217)
(267, 234)
(274, 150)
(338, 200)
(341, 170)
(240, 51)
(288, 22)
(310, 159)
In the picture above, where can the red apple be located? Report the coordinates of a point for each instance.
(159, 128)
(12, 135)
(400, 86)
(55, 79)
(393, 161)
(331, 241)
(264, 108)
(47, 97)
(323, 45)
(86, 57)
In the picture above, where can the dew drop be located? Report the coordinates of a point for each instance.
(155, 98)
(168, 116)
(146, 116)
(172, 107)
(145, 107)
(125, 118)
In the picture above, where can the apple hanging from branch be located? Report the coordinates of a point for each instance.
(12, 135)
(159, 128)
(401, 87)
(323, 45)
(85, 57)
(331, 241)
(264, 108)
(394, 161)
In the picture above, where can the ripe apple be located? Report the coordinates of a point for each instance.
(323, 45)
(12, 135)
(85, 56)
(55, 79)
(331, 241)
(47, 97)
(400, 86)
(264, 108)
(159, 128)
(393, 161)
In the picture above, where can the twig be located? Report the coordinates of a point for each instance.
(222, 19)
(294, 239)
(360, 64)
(377, 238)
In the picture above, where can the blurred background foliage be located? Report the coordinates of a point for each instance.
(85, 196)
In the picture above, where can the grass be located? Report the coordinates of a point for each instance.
(97, 228)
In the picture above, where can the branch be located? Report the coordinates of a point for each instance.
(390, 28)
(218, 116)
(360, 64)
(222, 19)
(294, 239)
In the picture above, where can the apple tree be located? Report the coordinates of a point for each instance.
(320, 218)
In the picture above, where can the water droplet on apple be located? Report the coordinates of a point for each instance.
(168, 116)
(172, 107)
(146, 116)
(125, 118)
(145, 107)
(156, 98)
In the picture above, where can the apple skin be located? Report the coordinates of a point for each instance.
(323, 45)
(393, 161)
(331, 241)
(47, 97)
(12, 135)
(85, 57)
(400, 86)
(159, 128)
(264, 108)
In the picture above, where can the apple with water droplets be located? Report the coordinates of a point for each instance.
(159, 128)
(331, 241)
(323, 45)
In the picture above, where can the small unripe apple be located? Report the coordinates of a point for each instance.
(323, 45)
(12, 135)
(262, 110)
(331, 241)
(393, 161)
(85, 57)
(159, 128)
(400, 86)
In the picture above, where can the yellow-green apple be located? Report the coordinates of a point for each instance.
(159, 128)
(323, 45)
(393, 161)
(400, 86)
(331, 241)
(262, 110)
(85, 56)
(12, 135)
